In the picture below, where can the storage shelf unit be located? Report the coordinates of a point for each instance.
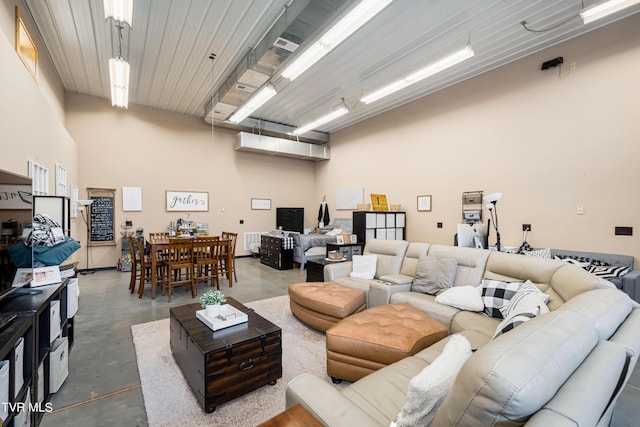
(348, 250)
(21, 327)
(37, 344)
(379, 225)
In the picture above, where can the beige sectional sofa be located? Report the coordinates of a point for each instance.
(565, 367)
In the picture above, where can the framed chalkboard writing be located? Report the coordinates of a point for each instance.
(102, 230)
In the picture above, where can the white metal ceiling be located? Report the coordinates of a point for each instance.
(171, 40)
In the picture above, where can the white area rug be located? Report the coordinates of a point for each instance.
(169, 401)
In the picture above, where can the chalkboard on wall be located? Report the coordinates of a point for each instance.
(101, 220)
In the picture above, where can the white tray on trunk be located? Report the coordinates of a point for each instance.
(229, 316)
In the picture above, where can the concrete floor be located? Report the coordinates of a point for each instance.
(103, 386)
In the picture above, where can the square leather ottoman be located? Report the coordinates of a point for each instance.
(323, 304)
(377, 337)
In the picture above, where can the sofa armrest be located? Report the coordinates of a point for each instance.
(337, 270)
(380, 291)
(326, 403)
(397, 279)
(631, 284)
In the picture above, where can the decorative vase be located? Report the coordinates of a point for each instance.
(212, 310)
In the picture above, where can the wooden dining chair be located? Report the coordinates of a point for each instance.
(145, 265)
(179, 260)
(224, 268)
(205, 260)
(134, 263)
(159, 235)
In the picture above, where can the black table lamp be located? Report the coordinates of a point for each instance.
(492, 199)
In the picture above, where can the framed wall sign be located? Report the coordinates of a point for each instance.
(260, 204)
(187, 201)
(424, 203)
(102, 229)
(15, 196)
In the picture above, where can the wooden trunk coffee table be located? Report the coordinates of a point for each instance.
(225, 364)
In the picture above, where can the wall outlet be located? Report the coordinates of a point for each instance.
(439, 225)
(580, 210)
(526, 227)
(242, 221)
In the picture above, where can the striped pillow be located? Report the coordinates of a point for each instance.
(607, 272)
(524, 289)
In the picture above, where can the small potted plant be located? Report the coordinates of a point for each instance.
(211, 301)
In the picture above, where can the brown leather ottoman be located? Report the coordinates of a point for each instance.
(323, 304)
(379, 336)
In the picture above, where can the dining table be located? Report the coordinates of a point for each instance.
(159, 244)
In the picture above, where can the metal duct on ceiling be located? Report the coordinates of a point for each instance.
(263, 144)
(299, 21)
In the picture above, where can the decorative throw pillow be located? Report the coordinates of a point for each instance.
(516, 319)
(364, 266)
(539, 253)
(524, 289)
(528, 307)
(428, 389)
(580, 262)
(434, 274)
(496, 294)
(462, 297)
(608, 272)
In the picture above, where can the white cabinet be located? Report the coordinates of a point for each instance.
(379, 225)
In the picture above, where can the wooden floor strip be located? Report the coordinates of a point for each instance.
(93, 399)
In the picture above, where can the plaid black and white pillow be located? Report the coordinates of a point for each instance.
(496, 294)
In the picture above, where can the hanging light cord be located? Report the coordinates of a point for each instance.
(552, 27)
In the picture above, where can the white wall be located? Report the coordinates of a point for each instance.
(549, 140)
(159, 151)
(31, 113)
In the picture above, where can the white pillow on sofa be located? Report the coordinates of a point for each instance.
(363, 266)
(428, 389)
(462, 297)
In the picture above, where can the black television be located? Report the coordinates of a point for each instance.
(290, 219)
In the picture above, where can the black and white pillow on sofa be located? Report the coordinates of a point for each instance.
(496, 294)
(525, 307)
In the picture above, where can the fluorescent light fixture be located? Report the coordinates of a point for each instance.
(604, 9)
(348, 25)
(119, 74)
(436, 67)
(322, 120)
(265, 93)
(119, 10)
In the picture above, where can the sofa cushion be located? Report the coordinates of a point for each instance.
(511, 378)
(434, 274)
(410, 262)
(390, 254)
(428, 389)
(496, 294)
(364, 267)
(606, 309)
(462, 297)
(471, 262)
